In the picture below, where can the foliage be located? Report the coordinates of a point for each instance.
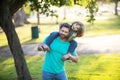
(92, 8)
(44, 6)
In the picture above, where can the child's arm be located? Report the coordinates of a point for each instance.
(72, 36)
(51, 37)
(73, 43)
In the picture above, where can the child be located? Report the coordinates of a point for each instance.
(77, 30)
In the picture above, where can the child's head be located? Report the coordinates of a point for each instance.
(78, 27)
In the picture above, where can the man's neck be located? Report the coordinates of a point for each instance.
(63, 39)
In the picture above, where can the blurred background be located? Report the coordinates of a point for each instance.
(98, 49)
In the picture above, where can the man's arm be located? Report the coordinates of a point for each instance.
(73, 58)
(44, 47)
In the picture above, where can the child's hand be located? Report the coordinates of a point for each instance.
(74, 34)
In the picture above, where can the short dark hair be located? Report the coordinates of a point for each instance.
(65, 25)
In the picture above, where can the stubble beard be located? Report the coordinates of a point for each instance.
(63, 37)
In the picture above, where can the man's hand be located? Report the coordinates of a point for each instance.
(43, 47)
(73, 58)
(46, 48)
(65, 57)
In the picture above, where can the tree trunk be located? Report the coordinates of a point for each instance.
(14, 43)
(116, 5)
(38, 17)
(64, 13)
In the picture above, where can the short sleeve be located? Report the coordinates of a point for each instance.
(45, 40)
(74, 53)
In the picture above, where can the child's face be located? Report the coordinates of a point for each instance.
(75, 27)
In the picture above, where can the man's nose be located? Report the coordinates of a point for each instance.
(63, 32)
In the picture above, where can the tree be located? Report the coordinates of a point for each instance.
(116, 5)
(7, 10)
(91, 6)
(41, 7)
(67, 3)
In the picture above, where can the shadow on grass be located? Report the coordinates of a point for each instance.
(30, 41)
(7, 69)
(74, 78)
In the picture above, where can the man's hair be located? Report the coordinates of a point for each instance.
(81, 31)
(65, 25)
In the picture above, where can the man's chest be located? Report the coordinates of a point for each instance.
(59, 46)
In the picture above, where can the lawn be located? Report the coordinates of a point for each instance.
(107, 26)
(89, 67)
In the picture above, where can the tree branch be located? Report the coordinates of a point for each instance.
(15, 5)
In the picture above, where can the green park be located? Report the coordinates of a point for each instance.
(98, 49)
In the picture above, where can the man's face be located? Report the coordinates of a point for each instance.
(64, 32)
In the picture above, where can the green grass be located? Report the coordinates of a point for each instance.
(104, 27)
(89, 67)
(108, 26)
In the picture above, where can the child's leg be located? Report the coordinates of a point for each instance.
(49, 40)
(73, 45)
(51, 37)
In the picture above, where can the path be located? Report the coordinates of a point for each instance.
(99, 44)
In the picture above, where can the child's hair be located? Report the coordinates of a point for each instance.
(81, 31)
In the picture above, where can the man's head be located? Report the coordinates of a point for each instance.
(64, 30)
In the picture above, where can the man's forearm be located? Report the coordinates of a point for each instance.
(74, 58)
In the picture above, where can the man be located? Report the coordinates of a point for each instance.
(53, 67)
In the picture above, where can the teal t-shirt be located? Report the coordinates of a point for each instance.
(53, 62)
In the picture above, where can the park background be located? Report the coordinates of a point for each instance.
(91, 66)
